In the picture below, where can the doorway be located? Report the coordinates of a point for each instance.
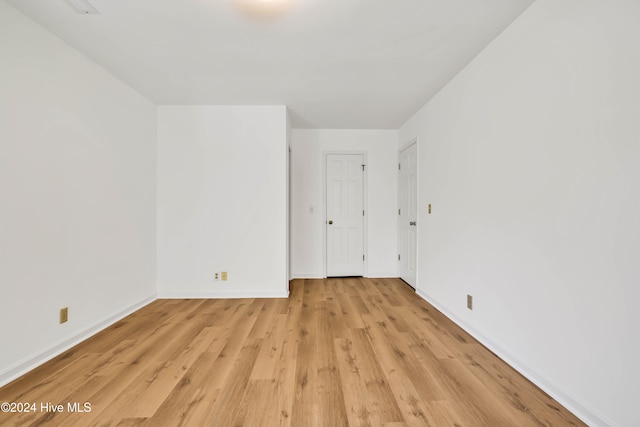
(407, 214)
(345, 215)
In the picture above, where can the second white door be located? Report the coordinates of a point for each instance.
(407, 214)
(345, 215)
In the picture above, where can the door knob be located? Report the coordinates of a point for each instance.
(330, 222)
(413, 223)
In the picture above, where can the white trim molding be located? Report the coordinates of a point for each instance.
(222, 295)
(563, 397)
(28, 364)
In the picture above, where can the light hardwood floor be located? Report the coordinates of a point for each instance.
(338, 352)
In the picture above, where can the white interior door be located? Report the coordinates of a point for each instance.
(345, 215)
(407, 214)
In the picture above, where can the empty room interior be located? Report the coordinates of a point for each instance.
(311, 212)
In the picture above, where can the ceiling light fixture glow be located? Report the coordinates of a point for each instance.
(82, 6)
(264, 8)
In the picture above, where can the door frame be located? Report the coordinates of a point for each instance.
(365, 202)
(405, 146)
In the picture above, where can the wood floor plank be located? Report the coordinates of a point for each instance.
(145, 395)
(337, 352)
(400, 358)
(271, 350)
(306, 373)
(190, 398)
(330, 394)
(256, 408)
(411, 402)
(230, 405)
(515, 390)
(336, 317)
(352, 317)
(130, 422)
(475, 402)
(369, 399)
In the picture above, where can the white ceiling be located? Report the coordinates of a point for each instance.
(361, 64)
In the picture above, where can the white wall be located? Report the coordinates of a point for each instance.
(531, 158)
(288, 154)
(222, 201)
(77, 195)
(308, 148)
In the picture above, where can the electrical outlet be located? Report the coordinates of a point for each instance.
(216, 276)
(64, 314)
(470, 302)
(224, 275)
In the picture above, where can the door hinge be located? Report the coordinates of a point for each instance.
(398, 211)
(398, 166)
(363, 167)
(363, 212)
(398, 257)
(363, 257)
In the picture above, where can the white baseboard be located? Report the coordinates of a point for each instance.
(383, 276)
(564, 398)
(369, 276)
(222, 295)
(307, 276)
(25, 365)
